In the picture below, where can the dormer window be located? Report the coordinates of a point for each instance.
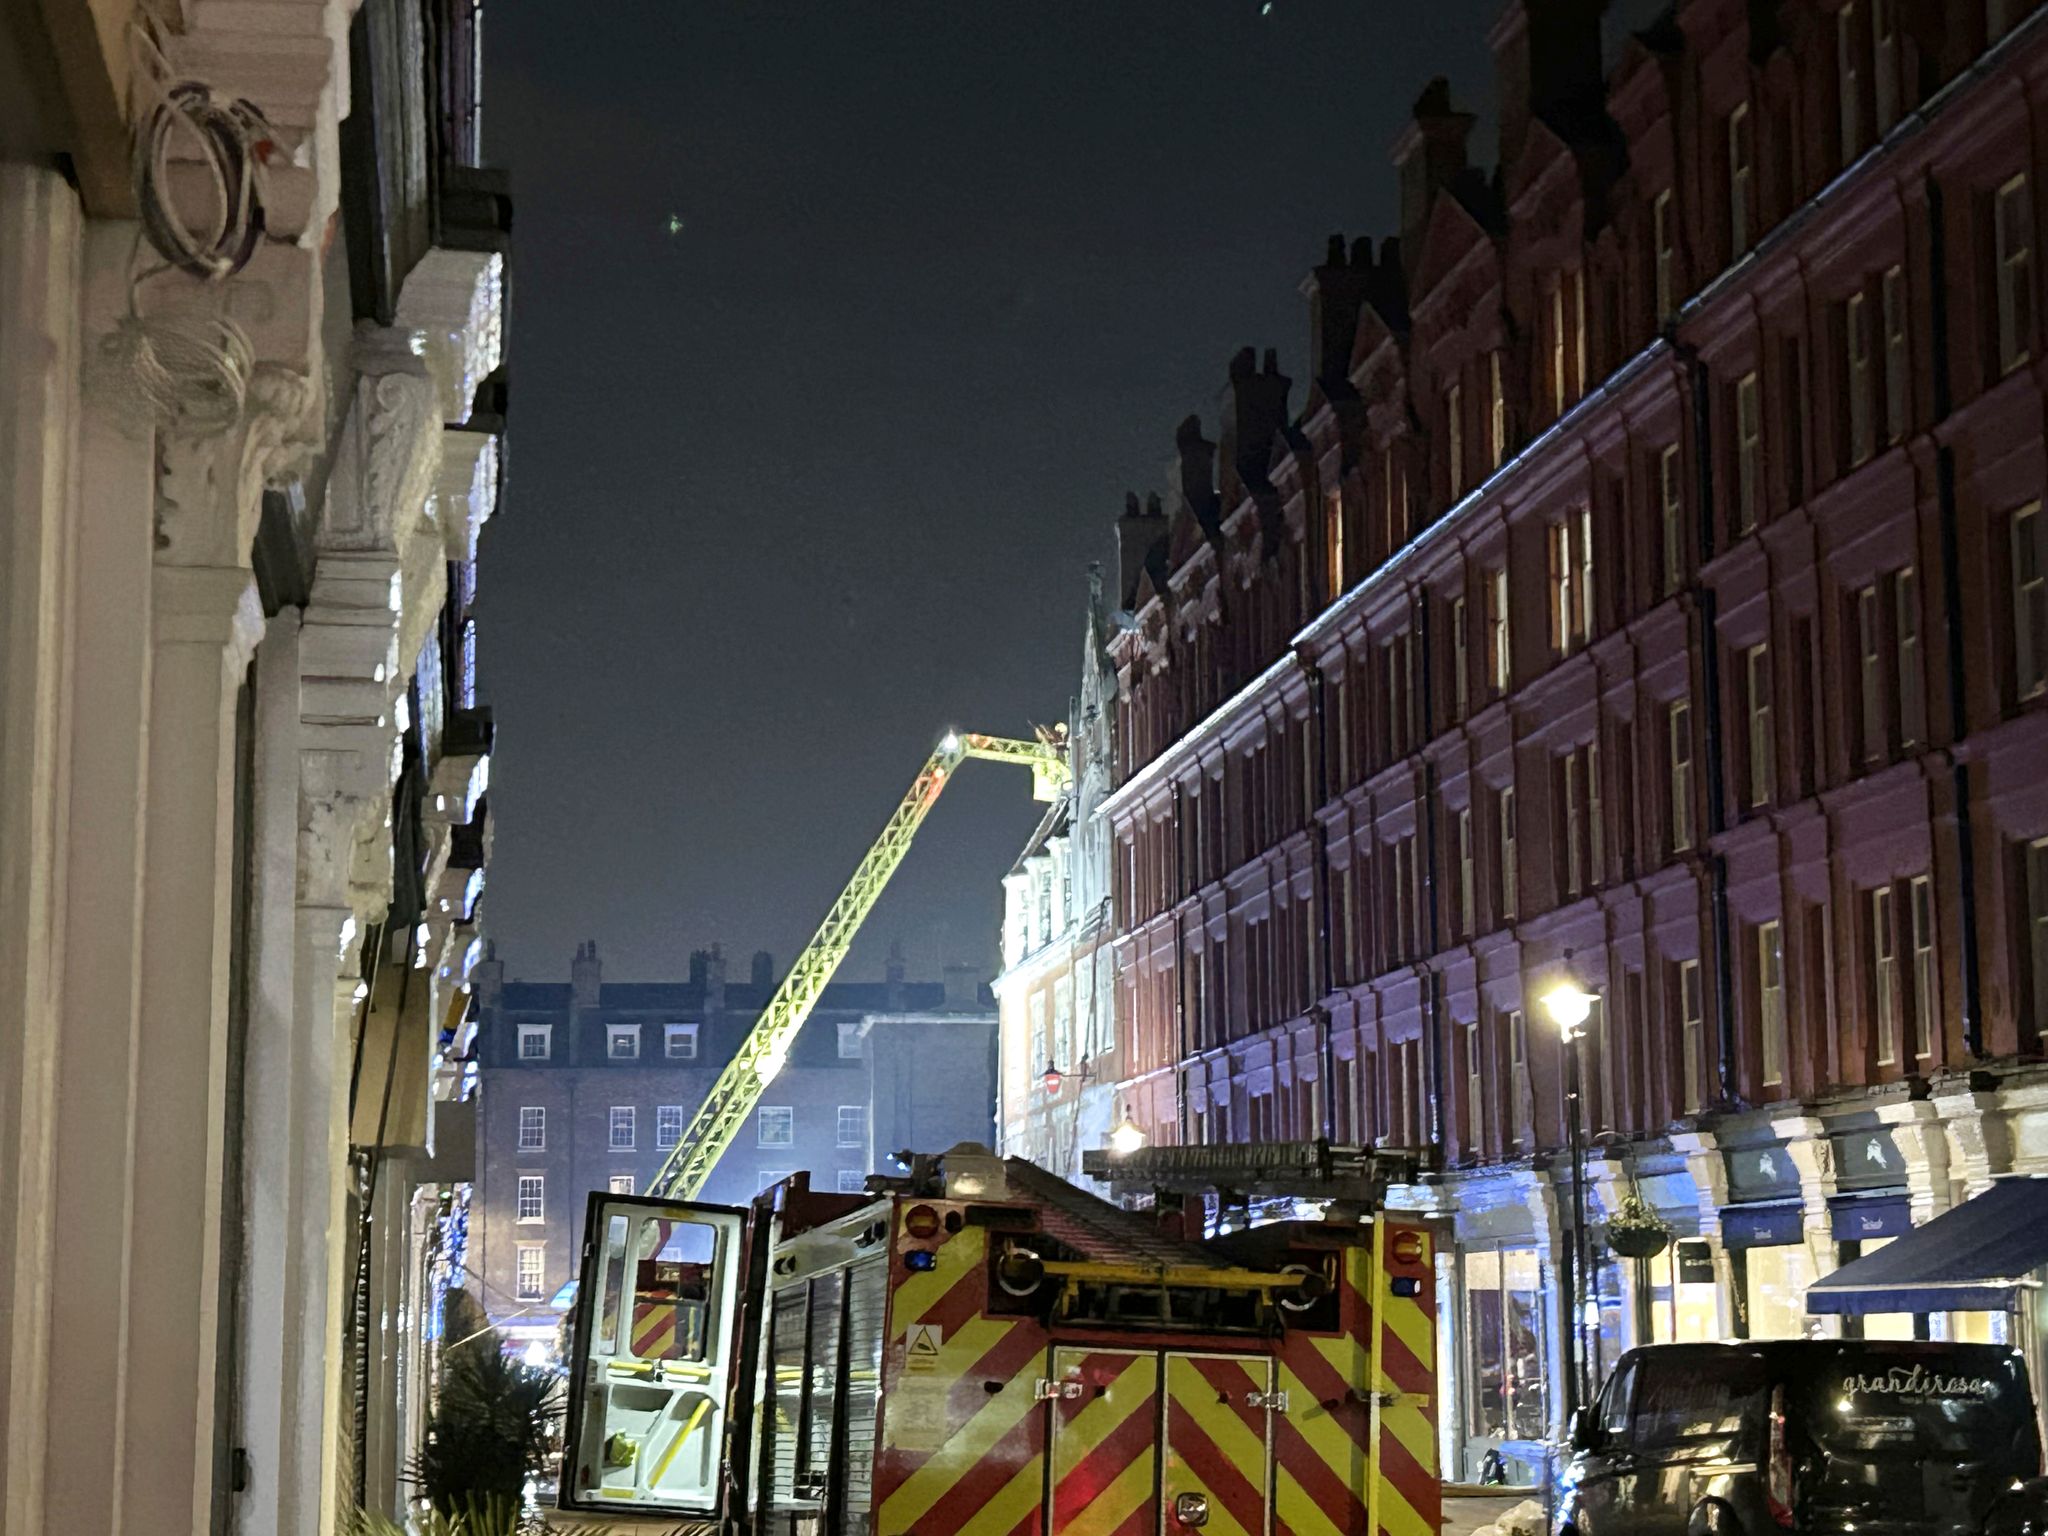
(679, 1042)
(622, 1041)
(534, 1042)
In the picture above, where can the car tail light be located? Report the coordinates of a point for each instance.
(1778, 1487)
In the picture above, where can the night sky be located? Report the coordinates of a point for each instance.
(800, 483)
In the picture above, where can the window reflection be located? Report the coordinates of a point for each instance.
(1505, 1339)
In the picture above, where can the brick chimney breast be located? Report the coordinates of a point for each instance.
(586, 976)
(1546, 57)
(1430, 155)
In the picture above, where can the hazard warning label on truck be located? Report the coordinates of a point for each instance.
(921, 1349)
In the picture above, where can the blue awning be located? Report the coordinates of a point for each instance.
(1973, 1258)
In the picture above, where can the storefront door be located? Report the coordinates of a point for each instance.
(1507, 1327)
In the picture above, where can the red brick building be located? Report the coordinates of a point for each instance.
(1650, 590)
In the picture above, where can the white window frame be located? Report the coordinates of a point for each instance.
(617, 1034)
(2013, 247)
(1884, 972)
(530, 1272)
(769, 1115)
(1926, 976)
(1468, 897)
(1678, 735)
(1849, 79)
(2036, 883)
(1666, 255)
(1856, 339)
(1518, 1075)
(1510, 859)
(622, 1128)
(533, 1132)
(530, 1191)
(858, 1136)
(1770, 992)
(668, 1125)
(1671, 499)
(1741, 176)
(1749, 434)
(1557, 381)
(1475, 1089)
(1884, 66)
(2029, 547)
(768, 1178)
(1692, 1034)
(1763, 737)
(1870, 673)
(679, 1042)
(1497, 412)
(1502, 639)
(544, 1033)
(1454, 437)
(1574, 857)
(1461, 661)
(621, 1184)
(1596, 845)
(1892, 312)
(852, 1182)
(1580, 361)
(1906, 645)
(849, 1033)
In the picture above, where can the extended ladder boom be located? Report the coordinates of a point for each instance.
(761, 1055)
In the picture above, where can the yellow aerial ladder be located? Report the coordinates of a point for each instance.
(762, 1054)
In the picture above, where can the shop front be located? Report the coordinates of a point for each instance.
(1770, 1263)
(1870, 1208)
(1506, 1345)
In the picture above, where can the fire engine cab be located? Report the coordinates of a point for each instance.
(982, 1349)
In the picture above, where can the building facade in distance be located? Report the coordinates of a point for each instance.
(587, 1085)
(1652, 593)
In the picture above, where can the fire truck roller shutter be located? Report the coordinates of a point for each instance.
(1105, 1436)
(963, 1436)
(1321, 1438)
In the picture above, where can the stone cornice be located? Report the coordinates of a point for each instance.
(454, 302)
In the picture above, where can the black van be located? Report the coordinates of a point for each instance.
(1861, 1437)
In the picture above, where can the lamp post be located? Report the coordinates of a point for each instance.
(1569, 1008)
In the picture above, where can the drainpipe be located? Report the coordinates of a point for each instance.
(1710, 667)
(1326, 976)
(1952, 599)
(1432, 976)
(1180, 968)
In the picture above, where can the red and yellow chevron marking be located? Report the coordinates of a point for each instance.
(1216, 1442)
(962, 1445)
(655, 1333)
(1406, 1499)
(1321, 1443)
(1104, 1443)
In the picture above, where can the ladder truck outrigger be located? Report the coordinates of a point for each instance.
(980, 1348)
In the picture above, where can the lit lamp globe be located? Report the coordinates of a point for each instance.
(1127, 1138)
(1568, 1008)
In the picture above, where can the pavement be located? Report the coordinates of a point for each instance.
(1465, 1513)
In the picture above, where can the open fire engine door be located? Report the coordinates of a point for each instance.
(657, 1308)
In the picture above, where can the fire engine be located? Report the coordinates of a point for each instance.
(983, 1349)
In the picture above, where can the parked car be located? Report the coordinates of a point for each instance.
(1825, 1436)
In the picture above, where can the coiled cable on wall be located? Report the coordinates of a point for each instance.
(233, 142)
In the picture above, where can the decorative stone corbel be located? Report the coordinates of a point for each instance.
(210, 484)
(1917, 1132)
(465, 491)
(454, 302)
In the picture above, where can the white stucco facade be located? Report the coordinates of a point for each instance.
(196, 816)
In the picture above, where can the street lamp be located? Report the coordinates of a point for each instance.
(1128, 1136)
(1569, 1008)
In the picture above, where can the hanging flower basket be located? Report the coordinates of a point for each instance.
(1636, 1231)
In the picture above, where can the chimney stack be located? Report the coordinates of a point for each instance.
(1546, 59)
(1337, 292)
(1138, 534)
(700, 966)
(1430, 155)
(487, 978)
(586, 975)
(714, 980)
(1195, 474)
(1254, 411)
(764, 970)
